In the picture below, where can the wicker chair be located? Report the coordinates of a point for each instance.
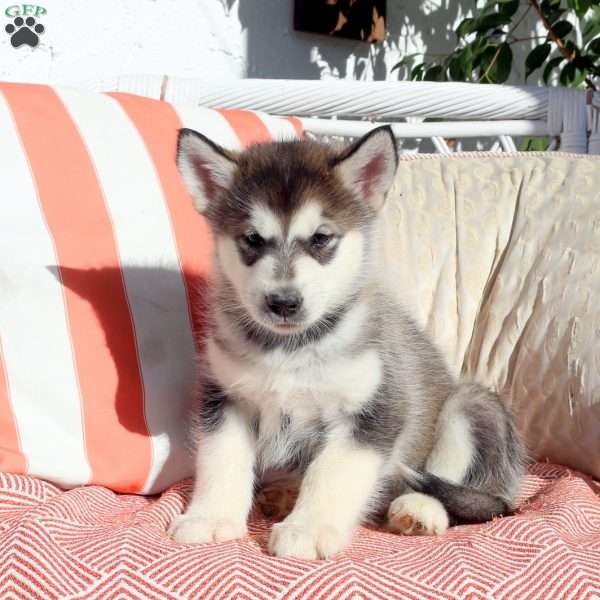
(415, 109)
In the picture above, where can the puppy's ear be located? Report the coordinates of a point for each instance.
(206, 168)
(368, 166)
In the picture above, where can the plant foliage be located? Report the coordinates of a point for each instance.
(485, 42)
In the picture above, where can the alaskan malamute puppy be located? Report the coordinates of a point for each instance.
(310, 368)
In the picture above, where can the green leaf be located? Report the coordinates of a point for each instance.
(571, 76)
(567, 74)
(536, 58)
(435, 73)
(496, 63)
(480, 43)
(461, 65)
(552, 10)
(478, 48)
(501, 69)
(465, 27)
(416, 72)
(509, 7)
(579, 6)
(592, 27)
(490, 22)
(594, 46)
(405, 60)
(579, 78)
(550, 66)
(531, 144)
(457, 70)
(562, 28)
(584, 63)
(483, 61)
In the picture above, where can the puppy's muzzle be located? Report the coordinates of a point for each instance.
(284, 303)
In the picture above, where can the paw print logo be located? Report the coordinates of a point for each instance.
(24, 31)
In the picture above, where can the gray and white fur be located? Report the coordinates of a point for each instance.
(309, 366)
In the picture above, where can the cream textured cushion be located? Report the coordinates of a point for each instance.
(498, 257)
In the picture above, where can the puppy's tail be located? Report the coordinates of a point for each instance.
(464, 504)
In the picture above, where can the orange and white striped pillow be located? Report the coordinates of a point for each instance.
(101, 254)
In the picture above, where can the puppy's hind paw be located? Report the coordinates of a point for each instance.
(192, 529)
(276, 500)
(417, 514)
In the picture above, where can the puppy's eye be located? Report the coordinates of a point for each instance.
(253, 240)
(320, 240)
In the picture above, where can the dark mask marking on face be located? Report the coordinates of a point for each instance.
(252, 247)
(321, 249)
(283, 177)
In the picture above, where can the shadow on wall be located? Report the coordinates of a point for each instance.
(275, 50)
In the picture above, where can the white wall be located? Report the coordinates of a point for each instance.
(86, 40)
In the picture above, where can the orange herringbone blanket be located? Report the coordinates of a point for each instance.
(92, 543)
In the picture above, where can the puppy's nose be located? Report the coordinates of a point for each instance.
(284, 303)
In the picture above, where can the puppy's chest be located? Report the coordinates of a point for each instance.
(303, 386)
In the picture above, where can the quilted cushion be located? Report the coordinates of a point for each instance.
(92, 543)
(102, 255)
(498, 257)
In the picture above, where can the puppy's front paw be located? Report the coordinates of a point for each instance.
(193, 529)
(294, 540)
(417, 514)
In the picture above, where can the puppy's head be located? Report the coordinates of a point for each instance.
(291, 220)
